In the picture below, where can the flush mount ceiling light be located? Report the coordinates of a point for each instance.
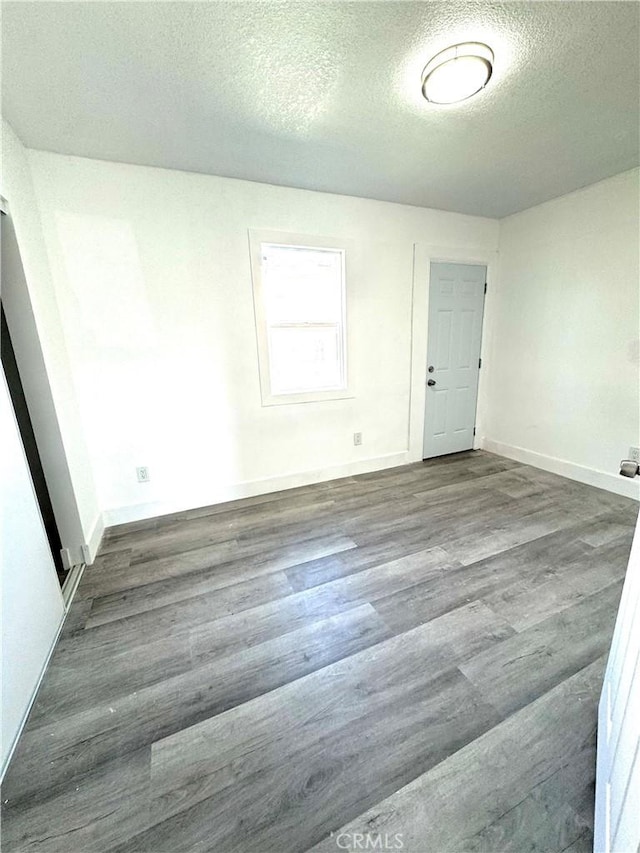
(457, 73)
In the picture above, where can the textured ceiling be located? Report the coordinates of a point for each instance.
(326, 96)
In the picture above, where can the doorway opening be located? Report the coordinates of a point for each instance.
(25, 427)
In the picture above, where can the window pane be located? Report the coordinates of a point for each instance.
(302, 285)
(305, 358)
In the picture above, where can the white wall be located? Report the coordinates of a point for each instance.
(564, 367)
(41, 351)
(32, 606)
(151, 271)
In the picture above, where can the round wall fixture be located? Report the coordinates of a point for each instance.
(457, 73)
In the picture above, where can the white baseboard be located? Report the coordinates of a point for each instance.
(591, 476)
(95, 539)
(71, 583)
(138, 512)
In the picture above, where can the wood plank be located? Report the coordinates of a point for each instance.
(76, 681)
(534, 517)
(103, 566)
(550, 813)
(245, 629)
(248, 576)
(192, 765)
(528, 564)
(292, 804)
(316, 572)
(102, 581)
(168, 538)
(479, 783)
(536, 598)
(255, 561)
(497, 539)
(611, 528)
(76, 743)
(77, 616)
(606, 564)
(583, 844)
(154, 596)
(528, 664)
(434, 522)
(107, 806)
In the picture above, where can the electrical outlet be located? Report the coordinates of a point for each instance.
(143, 474)
(634, 454)
(357, 439)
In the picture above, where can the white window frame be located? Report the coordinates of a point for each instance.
(256, 240)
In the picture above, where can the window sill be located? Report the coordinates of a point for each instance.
(307, 397)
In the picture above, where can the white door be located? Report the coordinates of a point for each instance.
(617, 821)
(456, 303)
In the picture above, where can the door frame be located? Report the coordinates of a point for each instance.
(28, 349)
(424, 254)
(30, 445)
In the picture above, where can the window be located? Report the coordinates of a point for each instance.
(300, 301)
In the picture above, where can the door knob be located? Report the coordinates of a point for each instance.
(430, 368)
(431, 382)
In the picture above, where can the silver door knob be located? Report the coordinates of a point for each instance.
(431, 382)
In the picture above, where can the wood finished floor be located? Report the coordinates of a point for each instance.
(416, 654)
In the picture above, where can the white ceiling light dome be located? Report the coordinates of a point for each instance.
(457, 73)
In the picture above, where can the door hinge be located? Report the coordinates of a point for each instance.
(485, 287)
(479, 363)
(474, 430)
